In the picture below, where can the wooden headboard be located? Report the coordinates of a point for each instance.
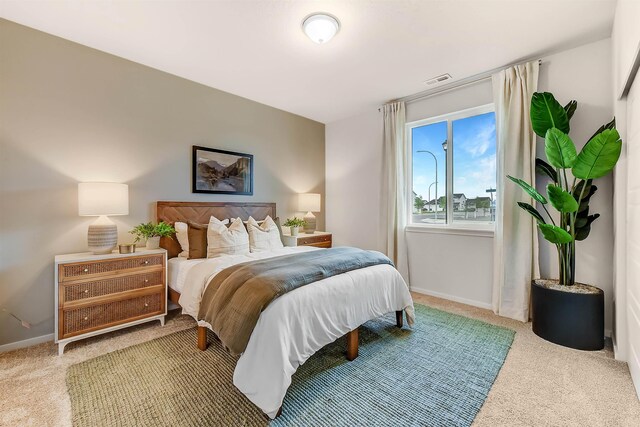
(200, 212)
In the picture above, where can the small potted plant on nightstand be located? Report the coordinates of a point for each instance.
(152, 233)
(294, 224)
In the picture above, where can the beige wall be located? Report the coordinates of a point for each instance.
(70, 114)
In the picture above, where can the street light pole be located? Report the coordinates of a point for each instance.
(444, 147)
(435, 160)
(430, 194)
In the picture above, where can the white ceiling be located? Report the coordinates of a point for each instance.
(384, 50)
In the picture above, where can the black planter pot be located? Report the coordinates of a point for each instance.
(574, 320)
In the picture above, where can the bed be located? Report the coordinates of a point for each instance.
(295, 325)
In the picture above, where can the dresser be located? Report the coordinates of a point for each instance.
(96, 294)
(319, 239)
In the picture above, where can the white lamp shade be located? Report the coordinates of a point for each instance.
(320, 27)
(103, 198)
(309, 202)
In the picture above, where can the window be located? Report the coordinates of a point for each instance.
(453, 177)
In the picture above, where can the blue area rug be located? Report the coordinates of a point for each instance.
(437, 374)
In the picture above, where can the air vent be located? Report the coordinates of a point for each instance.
(438, 79)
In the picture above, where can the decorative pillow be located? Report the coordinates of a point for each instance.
(221, 240)
(197, 235)
(263, 237)
(182, 234)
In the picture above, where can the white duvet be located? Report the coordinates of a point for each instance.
(296, 325)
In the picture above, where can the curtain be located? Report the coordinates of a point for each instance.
(395, 181)
(516, 236)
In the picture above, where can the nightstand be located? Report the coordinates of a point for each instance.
(319, 239)
(96, 294)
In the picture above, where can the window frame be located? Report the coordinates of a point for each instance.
(459, 227)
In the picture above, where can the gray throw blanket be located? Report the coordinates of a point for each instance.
(235, 297)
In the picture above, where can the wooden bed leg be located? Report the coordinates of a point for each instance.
(202, 338)
(399, 319)
(352, 344)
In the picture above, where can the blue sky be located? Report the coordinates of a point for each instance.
(474, 151)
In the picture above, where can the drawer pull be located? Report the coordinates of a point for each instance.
(86, 270)
(146, 280)
(86, 291)
(146, 262)
(86, 318)
(146, 304)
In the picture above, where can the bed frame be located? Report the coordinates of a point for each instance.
(200, 212)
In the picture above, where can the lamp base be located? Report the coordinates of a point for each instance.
(310, 223)
(102, 237)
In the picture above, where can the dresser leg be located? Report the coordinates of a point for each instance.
(161, 321)
(61, 347)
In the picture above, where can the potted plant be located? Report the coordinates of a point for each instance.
(294, 224)
(563, 311)
(152, 233)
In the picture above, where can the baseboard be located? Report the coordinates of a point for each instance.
(25, 343)
(454, 298)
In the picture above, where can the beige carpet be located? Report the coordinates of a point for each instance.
(539, 384)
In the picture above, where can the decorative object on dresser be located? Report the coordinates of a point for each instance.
(101, 199)
(221, 172)
(152, 233)
(294, 225)
(101, 293)
(309, 202)
(320, 239)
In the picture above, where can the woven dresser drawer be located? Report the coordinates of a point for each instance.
(87, 319)
(97, 288)
(76, 271)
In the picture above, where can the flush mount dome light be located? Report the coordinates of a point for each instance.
(320, 27)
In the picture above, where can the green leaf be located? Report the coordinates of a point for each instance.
(562, 200)
(588, 192)
(547, 113)
(610, 125)
(583, 232)
(547, 169)
(533, 211)
(529, 189)
(555, 234)
(599, 156)
(560, 150)
(570, 108)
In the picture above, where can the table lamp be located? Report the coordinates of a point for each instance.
(309, 202)
(101, 199)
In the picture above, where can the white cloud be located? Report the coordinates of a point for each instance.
(477, 145)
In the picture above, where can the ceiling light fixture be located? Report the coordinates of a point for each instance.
(320, 27)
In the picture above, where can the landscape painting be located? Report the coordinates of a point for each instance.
(222, 172)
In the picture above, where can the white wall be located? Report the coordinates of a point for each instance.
(626, 49)
(460, 266)
(352, 183)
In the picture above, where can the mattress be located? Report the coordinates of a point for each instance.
(178, 268)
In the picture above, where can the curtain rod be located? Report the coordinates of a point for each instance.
(456, 85)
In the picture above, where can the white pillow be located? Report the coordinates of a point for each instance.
(263, 237)
(182, 234)
(226, 241)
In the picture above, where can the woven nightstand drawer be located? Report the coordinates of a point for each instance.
(75, 271)
(99, 316)
(320, 240)
(96, 288)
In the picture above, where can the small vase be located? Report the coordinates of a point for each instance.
(294, 230)
(153, 242)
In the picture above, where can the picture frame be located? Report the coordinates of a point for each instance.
(216, 171)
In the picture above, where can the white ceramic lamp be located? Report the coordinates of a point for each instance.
(102, 199)
(309, 202)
